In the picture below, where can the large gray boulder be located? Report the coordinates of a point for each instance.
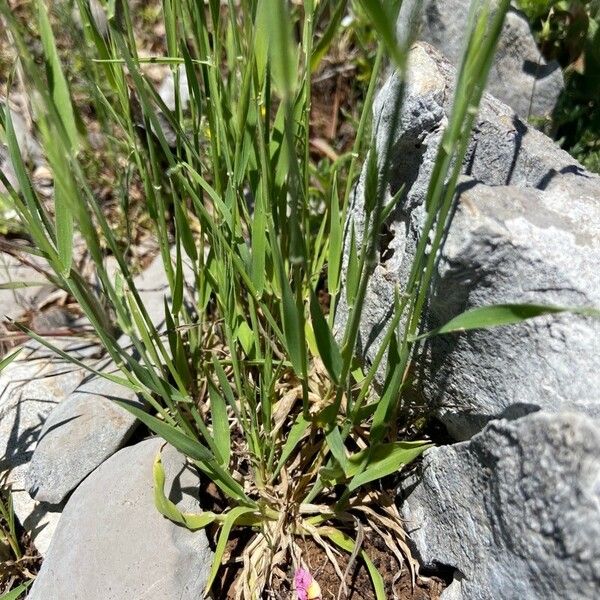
(112, 543)
(516, 245)
(526, 229)
(515, 511)
(520, 75)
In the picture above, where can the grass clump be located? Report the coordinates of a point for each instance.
(248, 380)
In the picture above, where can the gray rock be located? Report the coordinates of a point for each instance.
(111, 542)
(88, 427)
(520, 75)
(515, 511)
(30, 387)
(516, 245)
(167, 89)
(525, 230)
(80, 434)
(14, 301)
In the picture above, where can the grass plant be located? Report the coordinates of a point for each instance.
(248, 380)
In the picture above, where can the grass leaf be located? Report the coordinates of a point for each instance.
(486, 317)
(56, 79)
(220, 424)
(8, 359)
(17, 592)
(346, 543)
(169, 509)
(230, 520)
(328, 348)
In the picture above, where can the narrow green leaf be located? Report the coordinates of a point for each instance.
(245, 336)
(337, 448)
(178, 287)
(169, 509)
(188, 446)
(485, 317)
(184, 231)
(259, 247)
(322, 46)
(282, 47)
(328, 348)
(17, 285)
(230, 520)
(17, 592)
(262, 38)
(220, 424)
(8, 359)
(383, 18)
(384, 460)
(353, 271)
(296, 433)
(346, 543)
(56, 79)
(334, 258)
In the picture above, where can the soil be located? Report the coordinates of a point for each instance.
(398, 585)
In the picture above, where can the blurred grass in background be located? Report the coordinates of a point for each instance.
(569, 32)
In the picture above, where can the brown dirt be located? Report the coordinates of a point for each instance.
(398, 585)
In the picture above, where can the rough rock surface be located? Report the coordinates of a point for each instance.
(516, 510)
(111, 542)
(30, 387)
(517, 245)
(520, 75)
(526, 230)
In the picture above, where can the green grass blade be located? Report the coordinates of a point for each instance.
(383, 17)
(259, 247)
(220, 423)
(485, 317)
(328, 348)
(334, 257)
(322, 46)
(230, 520)
(8, 359)
(169, 509)
(383, 460)
(17, 592)
(346, 543)
(188, 446)
(56, 79)
(352, 275)
(283, 55)
(294, 436)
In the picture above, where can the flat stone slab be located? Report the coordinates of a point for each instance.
(111, 542)
(80, 434)
(515, 511)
